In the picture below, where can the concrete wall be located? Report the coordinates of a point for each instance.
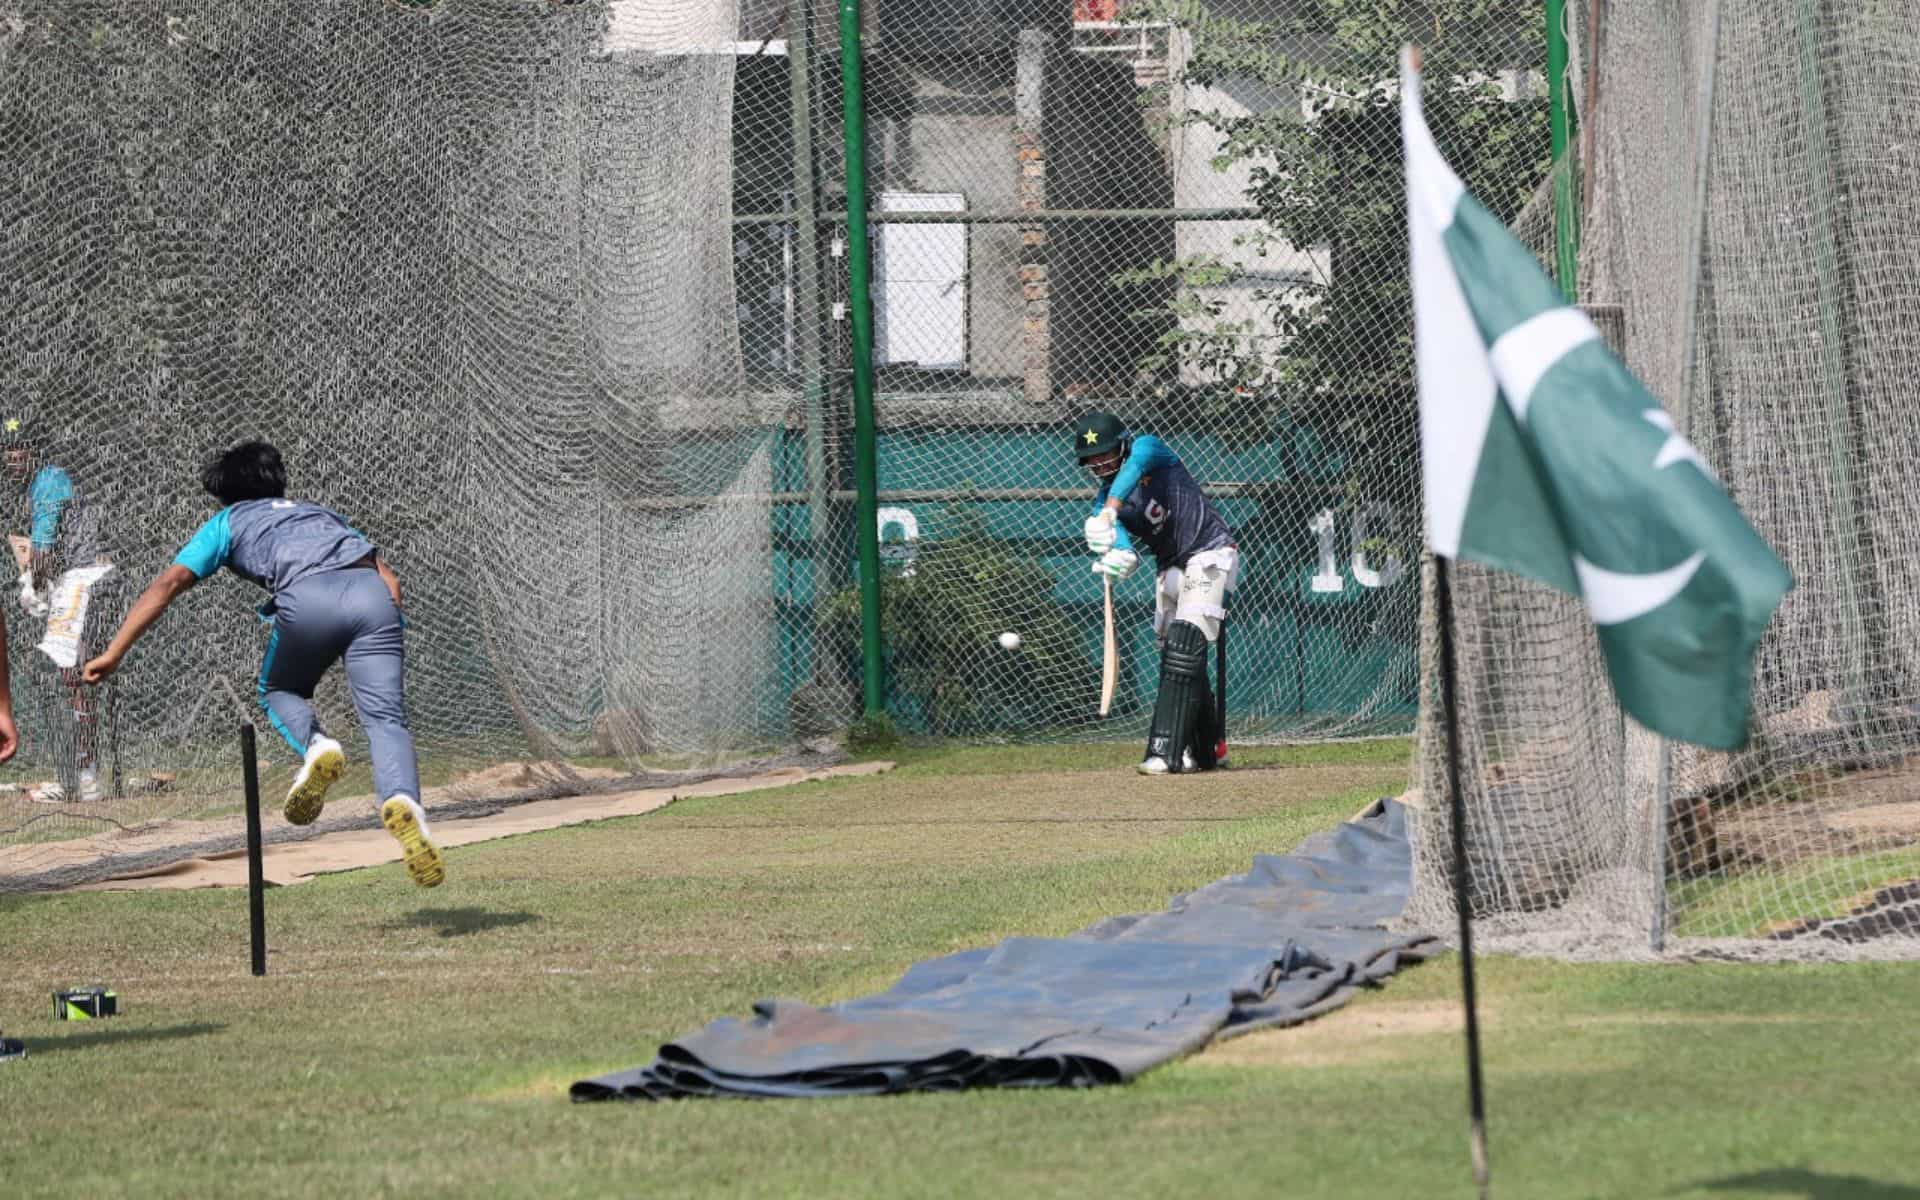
(933, 131)
(1264, 263)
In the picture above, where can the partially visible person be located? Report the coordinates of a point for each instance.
(9, 734)
(63, 565)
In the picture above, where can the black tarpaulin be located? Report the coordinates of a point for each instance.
(1291, 938)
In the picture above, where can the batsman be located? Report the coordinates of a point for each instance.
(1147, 496)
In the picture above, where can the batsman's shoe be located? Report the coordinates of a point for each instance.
(1153, 764)
(324, 763)
(407, 821)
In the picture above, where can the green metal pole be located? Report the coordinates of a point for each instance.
(806, 249)
(860, 303)
(1566, 231)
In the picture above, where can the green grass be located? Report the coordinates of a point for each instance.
(1727, 905)
(421, 1043)
(916, 758)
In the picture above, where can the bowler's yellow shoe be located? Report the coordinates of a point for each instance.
(325, 761)
(407, 821)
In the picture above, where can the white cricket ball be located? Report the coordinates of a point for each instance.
(1009, 641)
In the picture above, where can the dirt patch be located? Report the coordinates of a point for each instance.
(1901, 818)
(1883, 785)
(350, 849)
(521, 776)
(1370, 1033)
(1859, 813)
(553, 1087)
(148, 834)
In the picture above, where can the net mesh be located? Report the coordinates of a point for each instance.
(465, 264)
(551, 299)
(1589, 836)
(1135, 207)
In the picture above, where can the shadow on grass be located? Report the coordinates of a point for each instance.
(458, 922)
(1811, 1185)
(90, 1038)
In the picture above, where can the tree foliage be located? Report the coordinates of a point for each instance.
(1335, 351)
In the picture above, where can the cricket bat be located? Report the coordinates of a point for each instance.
(1220, 696)
(1110, 659)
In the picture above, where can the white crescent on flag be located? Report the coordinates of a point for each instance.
(1613, 597)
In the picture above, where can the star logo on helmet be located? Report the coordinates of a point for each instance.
(1093, 438)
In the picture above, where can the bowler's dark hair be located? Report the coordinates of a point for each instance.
(249, 471)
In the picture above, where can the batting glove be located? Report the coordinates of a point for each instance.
(1100, 535)
(1117, 563)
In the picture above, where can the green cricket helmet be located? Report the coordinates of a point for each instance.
(1097, 433)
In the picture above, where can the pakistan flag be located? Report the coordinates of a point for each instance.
(1544, 456)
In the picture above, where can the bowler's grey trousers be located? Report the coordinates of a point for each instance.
(323, 619)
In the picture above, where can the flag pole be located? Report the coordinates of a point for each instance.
(1457, 809)
(1456, 795)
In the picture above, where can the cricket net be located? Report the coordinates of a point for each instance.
(551, 299)
(466, 266)
(1587, 835)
